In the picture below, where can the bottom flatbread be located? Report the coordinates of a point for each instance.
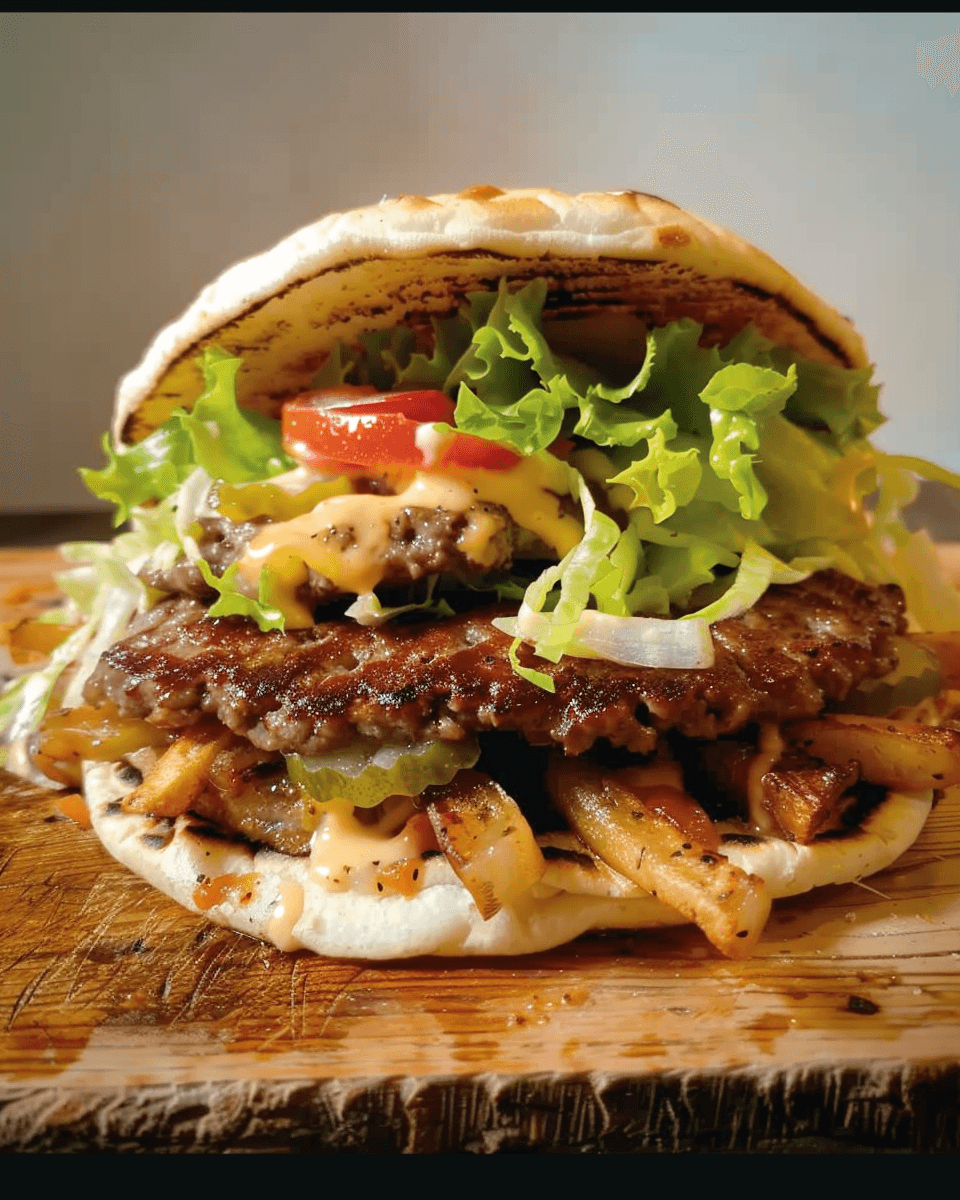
(271, 896)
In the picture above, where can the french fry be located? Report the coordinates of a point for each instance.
(70, 737)
(486, 839)
(894, 754)
(805, 799)
(180, 774)
(730, 906)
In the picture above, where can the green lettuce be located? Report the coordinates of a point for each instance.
(710, 473)
(230, 443)
(150, 470)
(232, 602)
(738, 397)
(707, 475)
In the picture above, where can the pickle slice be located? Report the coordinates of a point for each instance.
(367, 771)
(916, 677)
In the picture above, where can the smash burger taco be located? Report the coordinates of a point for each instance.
(498, 569)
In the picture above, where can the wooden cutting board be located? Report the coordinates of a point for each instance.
(129, 1024)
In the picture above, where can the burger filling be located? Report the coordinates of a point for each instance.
(469, 601)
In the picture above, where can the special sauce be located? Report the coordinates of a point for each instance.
(346, 538)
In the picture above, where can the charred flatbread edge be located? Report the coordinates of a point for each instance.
(276, 902)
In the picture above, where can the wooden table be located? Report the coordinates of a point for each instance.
(129, 1024)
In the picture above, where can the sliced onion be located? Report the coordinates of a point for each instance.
(633, 641)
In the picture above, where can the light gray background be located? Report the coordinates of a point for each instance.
(144, 153)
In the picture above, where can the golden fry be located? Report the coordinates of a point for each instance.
(894, 754)
(486, 839)
(730, 906)
(180, 774)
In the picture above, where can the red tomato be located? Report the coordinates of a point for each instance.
(363, 429)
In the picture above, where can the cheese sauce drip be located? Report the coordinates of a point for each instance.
(346, 538)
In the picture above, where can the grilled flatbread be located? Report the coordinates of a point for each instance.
(272, 896)
(615, 262)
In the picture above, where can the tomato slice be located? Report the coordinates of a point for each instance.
(350, 428)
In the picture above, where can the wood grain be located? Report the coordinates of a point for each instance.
(129, 1024)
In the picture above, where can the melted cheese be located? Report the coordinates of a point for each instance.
(346, 538)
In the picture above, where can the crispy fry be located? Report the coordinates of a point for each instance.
(30, 637)
(730, 906)
(805, 799)
(894, 754)
(180, 774)
(486, 839)
(71, 736)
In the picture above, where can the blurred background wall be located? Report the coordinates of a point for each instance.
(143, 153)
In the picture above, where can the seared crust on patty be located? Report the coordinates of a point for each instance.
(310, 691)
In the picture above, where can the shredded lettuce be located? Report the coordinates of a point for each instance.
(722, 469)
(103, 593)
(367, 609)
(709, 474)
(758, 569)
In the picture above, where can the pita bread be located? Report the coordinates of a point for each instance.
(614, 262)
(270, 895)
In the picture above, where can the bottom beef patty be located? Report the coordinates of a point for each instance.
(310, 691)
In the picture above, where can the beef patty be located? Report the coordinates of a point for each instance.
(420, 542)
(310, 691)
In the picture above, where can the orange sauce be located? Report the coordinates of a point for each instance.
(72, 806)
(405, 877)
(210, 892)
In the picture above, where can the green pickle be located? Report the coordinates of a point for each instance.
(246, 501)
(367, 772)
(916, 676)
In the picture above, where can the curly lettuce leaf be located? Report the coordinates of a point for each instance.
(529, 425)
(233, 602)
(665, 479)
(150, 470)
(739, 396)
(675, 372)
(451, 337)
(230, 443)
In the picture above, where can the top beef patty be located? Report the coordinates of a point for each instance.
(313, 690)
